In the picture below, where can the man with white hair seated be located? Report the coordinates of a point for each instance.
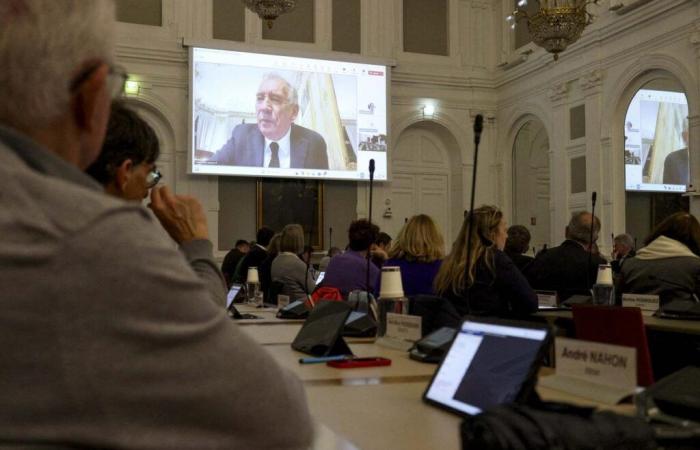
(109, 337)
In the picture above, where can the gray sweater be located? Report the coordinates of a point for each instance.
(290, 270)
(109, 337)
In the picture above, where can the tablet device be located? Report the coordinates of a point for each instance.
(321, 333)
(490, 362)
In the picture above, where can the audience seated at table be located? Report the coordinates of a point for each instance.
(288, 268)
(232, 258)
(348, 272)
(265, 268)
(495, 287)
(256, 255)
(517, 244)
(418, 250)
(623, 248)
(669, 263)
(380, 249)
(569, 268)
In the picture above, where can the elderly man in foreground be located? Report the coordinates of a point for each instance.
(109, 337)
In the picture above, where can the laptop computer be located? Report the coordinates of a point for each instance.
(231, 308)
(320, 278)
(490, 362)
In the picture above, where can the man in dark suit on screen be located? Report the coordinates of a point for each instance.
(275, 141)
(676, 163)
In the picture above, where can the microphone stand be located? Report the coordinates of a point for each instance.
(590, 242)
(478, 128)
(369, 253)
(308, 261)
(330, 237)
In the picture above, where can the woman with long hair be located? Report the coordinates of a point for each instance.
(492, 285)
(669, 264)
(418, 250)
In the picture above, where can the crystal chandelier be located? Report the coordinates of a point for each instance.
(556, 24)
(269, 10)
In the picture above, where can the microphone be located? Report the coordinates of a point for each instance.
(311, 240)
(330, 237)
(478, 128)
(594, 197)
(371, 187)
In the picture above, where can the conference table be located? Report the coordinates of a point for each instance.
(373, 407)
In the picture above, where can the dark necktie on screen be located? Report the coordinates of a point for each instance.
(275, 159)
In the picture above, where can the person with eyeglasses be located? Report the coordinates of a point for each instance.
(109, 336)
(275, 140)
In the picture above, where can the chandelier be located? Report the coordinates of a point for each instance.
(269, 10)
(556, 24)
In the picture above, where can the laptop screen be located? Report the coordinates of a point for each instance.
(486, 366)
(232, 293)
(320, 278)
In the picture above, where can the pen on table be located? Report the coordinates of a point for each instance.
(322, 359)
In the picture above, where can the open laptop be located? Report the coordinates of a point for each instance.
(320, 278)
(231, 308)
(490, 362)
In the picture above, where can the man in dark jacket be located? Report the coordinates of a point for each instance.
(256, 255)
(570, 268)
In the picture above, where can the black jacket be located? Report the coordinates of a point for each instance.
(563, 269)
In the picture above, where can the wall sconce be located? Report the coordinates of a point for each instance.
(428, 111)
(131, 87)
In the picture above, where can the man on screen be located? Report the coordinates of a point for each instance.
(676, 163)
(275, 141)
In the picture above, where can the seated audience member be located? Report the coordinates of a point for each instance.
(380, 249)
(126, 168)
(563, 268)
(288, 268)
(256, 255)
(494, 287)
(669, 264)
(418, 250)
(306, 254)
(517, 244)
(323, 265)
(265, 268)
(623, 248)
(348, 271)
(130, 354)
(232, 258)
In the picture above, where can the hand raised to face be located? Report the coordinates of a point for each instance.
(182, 216)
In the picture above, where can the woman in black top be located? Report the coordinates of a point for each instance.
(495, 286)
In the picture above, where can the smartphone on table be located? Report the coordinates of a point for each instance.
(371, 361)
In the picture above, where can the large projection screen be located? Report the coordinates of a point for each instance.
(264, 115)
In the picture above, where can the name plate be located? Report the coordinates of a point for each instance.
(649, 304)
(605, 364)
(403, 327)
(547, 299)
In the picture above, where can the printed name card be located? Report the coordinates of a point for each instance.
(403, 327)
(547, 298)
(600, 363)
(649, 304)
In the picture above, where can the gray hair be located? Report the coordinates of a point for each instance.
(292, 239)
(579, 228)
(624, 239)
(43, 46)
(292, 95)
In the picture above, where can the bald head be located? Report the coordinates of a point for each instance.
(579, 228)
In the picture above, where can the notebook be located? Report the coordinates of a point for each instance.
(490, 362)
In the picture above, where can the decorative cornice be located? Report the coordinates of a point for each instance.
(150, 55)
(448, 81)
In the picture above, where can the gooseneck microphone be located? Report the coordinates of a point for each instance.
(369, 253)
(594, 197)
(478, 128)
(330, 237)
(311, 240)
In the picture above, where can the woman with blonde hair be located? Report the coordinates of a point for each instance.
(493, 286)
(288, 268)
(418, 250)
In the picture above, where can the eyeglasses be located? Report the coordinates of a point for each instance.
(116, 80)
(153, 178)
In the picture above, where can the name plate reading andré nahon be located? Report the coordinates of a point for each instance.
(649, 304)
(602, 372)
